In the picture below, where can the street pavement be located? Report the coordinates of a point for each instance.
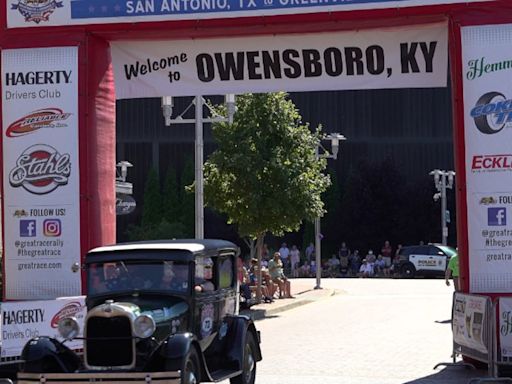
(359, 331)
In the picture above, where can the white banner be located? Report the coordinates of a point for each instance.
(29, 13)
(40, 167)
(505, 324)
(469, 321)
(22, 321)
(487, 68)
(405, 57)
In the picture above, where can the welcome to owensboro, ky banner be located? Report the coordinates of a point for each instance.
(487, 70)
(28, 13)
(401, 57)
(41, 172)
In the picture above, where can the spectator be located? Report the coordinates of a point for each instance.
(204, 275)
(380, 268)
(344, 266)
(343, 251)
(453, 271)
(275, 268)
(366, 269)
(334, 266)
(253, 281)
(309, 252)
(284, 251)
(294, 260)
(370, 257)
(387, 253)
(395, 266)
(355, 262)
(243, 279)
(398, 249)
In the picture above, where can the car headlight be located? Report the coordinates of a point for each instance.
(68, 328)
(144, 326)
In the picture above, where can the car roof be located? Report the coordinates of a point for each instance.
(186, 247)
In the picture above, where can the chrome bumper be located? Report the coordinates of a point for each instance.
(104, 377)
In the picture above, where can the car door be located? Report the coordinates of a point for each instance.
(440, 258)
(421, 258)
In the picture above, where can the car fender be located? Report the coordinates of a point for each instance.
(41, 351)
(239, 327)
(178, 345)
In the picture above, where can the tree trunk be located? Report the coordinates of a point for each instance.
(259, 251)
(251, 243)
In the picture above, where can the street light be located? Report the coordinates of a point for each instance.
(443, 180)
(198, 102)
(335, 139)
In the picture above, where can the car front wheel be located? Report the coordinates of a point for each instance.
(248, 375)
(408, 271)
(189, 367)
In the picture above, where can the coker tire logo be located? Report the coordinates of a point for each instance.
(484, 122)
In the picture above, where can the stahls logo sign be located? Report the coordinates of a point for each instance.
(37, 78)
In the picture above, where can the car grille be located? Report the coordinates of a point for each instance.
(109, 341)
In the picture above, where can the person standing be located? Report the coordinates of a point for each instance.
(284, 251)
(386, 252)
(295, 260)
(453, 271)
(309, 252)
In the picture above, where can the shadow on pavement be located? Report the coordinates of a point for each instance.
(451, 375)
(449, 321)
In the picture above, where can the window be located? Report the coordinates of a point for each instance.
(225, 271)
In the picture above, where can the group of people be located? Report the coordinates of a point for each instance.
(345, 263)
(273, 280)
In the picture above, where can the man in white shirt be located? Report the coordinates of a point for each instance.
(366, 269)
(285, 253)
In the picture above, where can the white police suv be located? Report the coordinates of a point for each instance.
(424, 260)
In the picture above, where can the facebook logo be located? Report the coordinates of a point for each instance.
(27, 228)
(497, 216)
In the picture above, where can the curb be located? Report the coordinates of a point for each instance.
(260, 314)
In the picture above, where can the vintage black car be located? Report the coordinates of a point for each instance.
(160, 311)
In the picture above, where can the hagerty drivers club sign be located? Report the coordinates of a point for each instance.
(41, 169)
(392, 58)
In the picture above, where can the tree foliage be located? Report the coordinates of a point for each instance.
(264, 174)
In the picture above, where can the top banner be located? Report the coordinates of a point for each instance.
(405, 57)
(30, 13)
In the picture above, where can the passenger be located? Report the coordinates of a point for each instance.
(204, 276)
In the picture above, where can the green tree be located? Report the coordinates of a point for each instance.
(152, 208)
(187, 206)
(264, 174)
(170, 197)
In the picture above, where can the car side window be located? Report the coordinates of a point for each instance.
(225, 271)
(436, 251)
(205, 274)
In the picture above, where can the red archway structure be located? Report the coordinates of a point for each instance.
(94, 213)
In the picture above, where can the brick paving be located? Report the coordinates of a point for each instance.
(359, 331)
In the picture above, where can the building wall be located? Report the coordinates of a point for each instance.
(413, 127)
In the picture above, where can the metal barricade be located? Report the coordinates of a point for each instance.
(480, 348)
(499, 359)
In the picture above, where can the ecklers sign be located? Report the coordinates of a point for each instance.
(33, 13)
(402, 57)
(125, 204)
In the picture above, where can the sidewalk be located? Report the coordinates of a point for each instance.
(303, 292)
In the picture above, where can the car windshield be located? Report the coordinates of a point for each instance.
(449, 251)
(109, 277)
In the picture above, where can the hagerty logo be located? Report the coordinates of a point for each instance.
(492, 112)
(42, 118)
(40, 169)
(36, 10)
